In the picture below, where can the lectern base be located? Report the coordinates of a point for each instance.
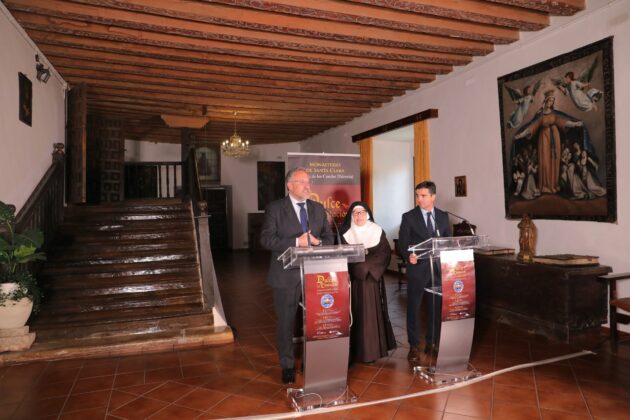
(444, 378)
(303, 401)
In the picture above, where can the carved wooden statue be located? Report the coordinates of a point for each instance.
(526, 239)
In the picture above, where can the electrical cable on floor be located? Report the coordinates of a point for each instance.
(296, 414)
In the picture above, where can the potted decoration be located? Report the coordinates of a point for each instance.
(19, 293)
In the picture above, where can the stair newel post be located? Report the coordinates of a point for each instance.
(205, 254)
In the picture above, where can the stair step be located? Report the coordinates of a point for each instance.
(112, 268)
(135, 279)
(131, 226)
(127, 208)
(128, 257)
(110, 317)
(121, 346)
(113, 303)
(123, 237)
(125, 328)
(102, 295)
(69, 252)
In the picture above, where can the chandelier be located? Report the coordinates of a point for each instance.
(235, 147)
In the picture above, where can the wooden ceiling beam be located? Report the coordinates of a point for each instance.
(425, 48)
(65, 64)
(556, 7)
(97, 97)
(469, 10)
(184, 93)
(102, 74)
(145, 63)
(224, 103)
(361, 26)
(42, 36)
(341, 53)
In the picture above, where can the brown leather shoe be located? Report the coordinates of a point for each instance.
(414, 354)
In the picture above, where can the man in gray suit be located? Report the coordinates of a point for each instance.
(294, 220)
(424, 222)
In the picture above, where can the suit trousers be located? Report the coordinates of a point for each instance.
(415, 294)
(285, 302)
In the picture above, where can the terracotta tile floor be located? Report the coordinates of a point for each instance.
(243, 378)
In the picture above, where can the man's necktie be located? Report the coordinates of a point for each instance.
(303, 217)
(430, 225)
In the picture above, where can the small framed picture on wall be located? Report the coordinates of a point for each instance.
(26, 99)
(460, 186)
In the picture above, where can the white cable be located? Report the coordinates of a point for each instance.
(297, 414)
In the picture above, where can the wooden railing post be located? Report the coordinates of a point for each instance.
(205, 255)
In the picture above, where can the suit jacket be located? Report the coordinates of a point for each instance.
(281, 228)
(413, 230)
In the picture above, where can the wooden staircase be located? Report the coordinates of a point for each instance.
(121, 279)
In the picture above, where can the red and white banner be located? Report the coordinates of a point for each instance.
(327, 298)
(335, 179)
(458, 284)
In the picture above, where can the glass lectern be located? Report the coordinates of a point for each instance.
(326, 301)
(452, 289)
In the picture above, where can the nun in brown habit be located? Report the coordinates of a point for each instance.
(371, 335)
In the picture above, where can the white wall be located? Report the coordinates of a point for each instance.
(148, 151)
(466, 138)
(25, 152)
(241, 174)
(392, 177)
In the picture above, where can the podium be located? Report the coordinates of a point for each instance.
(327, 318)
(450, 258)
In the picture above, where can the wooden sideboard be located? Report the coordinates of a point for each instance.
(557, 302)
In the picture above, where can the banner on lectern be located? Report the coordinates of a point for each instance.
(458, 284)
(327, 302)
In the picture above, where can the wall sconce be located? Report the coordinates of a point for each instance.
(43, 73)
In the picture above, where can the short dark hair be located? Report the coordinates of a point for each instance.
(429, 185)
(292, 171)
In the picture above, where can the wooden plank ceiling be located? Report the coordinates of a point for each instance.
(289, 68)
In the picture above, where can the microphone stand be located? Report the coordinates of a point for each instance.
(335, 224)
(472, 230)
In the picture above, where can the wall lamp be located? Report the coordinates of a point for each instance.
(43, 73)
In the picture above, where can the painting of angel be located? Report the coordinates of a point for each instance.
(557, 136)
(522, 100)
(583, 95)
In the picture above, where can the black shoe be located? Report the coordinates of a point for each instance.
(288, 376)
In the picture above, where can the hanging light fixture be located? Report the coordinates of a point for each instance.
(235, 147)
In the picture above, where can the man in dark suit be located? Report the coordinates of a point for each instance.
(291, 221)
(423, 222)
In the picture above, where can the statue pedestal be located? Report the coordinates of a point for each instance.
(16, 339)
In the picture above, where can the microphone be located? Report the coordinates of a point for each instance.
(472, 230)
(335, 224)
(308, 232)
(437, 231)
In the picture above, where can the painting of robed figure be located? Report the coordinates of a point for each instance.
(557, 132)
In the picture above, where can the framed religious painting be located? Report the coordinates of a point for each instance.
(558, 137)
(460, 186)
(208, 164)
(25, 99)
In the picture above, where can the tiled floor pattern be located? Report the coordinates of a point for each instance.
(243, 378)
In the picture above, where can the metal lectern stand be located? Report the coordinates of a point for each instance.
(450, 258)
(326, 297)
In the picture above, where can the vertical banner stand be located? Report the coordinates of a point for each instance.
(453, 291)
(326, 296)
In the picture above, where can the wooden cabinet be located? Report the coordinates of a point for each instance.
(558, 302)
